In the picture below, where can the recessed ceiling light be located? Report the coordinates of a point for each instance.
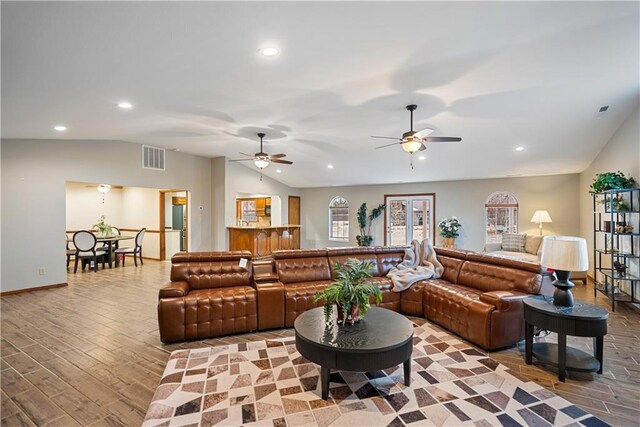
(422, 157)
(125, 105)
(278, 171)
(60, 128)
(330, 166)
(269, 51)
(520, 148)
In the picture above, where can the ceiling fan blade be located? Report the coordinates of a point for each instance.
(422, 147)
(388, 145)
(442, 139)
(245, 154)
(423, 133)
(284, 162)
(387, 137)
(241, 160)
(277, 156)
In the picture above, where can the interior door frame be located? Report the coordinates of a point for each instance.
(295, 231)
(163, 237)
(433, 213)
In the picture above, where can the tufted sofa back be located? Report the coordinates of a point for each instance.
(489, 273)
(342, 255)
(206, 270)
(388, 257)
(307, 265)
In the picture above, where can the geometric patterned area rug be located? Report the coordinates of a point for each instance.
(268, 383)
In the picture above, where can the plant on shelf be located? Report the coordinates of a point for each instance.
(350, 292)
(611, 181)
(364, 222)
(102, 227)
(449, 228)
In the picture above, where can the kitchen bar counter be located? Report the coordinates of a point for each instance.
(261, 241)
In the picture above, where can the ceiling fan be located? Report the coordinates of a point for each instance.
(413, 141)
(261, 159)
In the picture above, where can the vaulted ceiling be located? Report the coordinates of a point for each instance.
(500, 75)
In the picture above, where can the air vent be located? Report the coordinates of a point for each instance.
(603, 109)
(152, 158)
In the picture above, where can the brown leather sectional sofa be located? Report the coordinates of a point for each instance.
(478, 297)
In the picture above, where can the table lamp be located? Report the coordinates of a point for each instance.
(539, 217)
(564, 254)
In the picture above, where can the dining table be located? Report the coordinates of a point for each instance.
(109, 240)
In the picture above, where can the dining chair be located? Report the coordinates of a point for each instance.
(85, 243)
(70, 252)
(135, 250)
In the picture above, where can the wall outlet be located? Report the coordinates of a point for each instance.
(41, 271)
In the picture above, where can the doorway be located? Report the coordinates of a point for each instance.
(174, 222)
(409, 217)
(293, 218)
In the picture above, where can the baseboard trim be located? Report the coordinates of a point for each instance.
(37, 288)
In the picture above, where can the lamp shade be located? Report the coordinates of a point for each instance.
(565, 253)
(104, 188)
(540, 217)
(261, 163)
(411, 146)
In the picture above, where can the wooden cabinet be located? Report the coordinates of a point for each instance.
(262, 241)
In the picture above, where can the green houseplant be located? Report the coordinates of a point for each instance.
(102, 227)
(364, 223)
(610, 181)
(350, 291)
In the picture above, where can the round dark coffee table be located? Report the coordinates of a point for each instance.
(581, 320)
(381, 340)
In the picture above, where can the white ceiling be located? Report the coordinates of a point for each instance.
(497, 74)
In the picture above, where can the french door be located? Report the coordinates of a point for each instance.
(409, 217)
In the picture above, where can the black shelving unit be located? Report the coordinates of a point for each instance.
(612, 244)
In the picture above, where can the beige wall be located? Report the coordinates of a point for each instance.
(622, 153)
(465, 199)
(84, 205)
(34, 174)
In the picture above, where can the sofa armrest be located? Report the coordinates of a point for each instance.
(492, 247)
(503, 300)
(174, 289)
(271, 306)
(264, 271)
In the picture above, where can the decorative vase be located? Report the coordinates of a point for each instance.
(449, 242)
(353, 316)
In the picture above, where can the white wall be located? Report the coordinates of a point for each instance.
(140, 209)
(84, 205)
(219, 235)
(621, 153)
(465, 199)
(34, 173)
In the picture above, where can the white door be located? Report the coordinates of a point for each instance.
(409, 218)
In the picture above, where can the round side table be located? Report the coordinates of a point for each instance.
(581, 320)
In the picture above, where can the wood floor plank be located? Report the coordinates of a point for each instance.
(8, 408)
(79, 407)
(38, 407)
(17, 420)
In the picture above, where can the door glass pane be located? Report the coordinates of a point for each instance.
(398, 220)
(420, 223)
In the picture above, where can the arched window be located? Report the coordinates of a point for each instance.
(501, 214)
(339, 219)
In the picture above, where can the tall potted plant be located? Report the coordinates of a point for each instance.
(350, 292)
(364, 223)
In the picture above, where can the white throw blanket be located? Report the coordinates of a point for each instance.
(419, 263)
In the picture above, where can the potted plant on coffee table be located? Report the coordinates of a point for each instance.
(350, 292)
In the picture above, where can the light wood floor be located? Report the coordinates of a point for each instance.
(89, 354)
